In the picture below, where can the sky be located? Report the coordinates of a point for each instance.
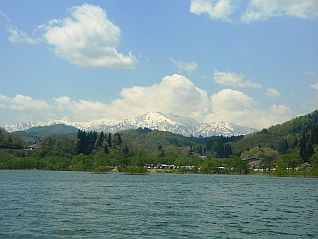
(250, 62)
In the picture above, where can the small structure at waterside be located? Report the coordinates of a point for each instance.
(168, 166)
(33, 146)
(254, 163)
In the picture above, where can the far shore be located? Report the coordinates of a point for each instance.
(167, 171)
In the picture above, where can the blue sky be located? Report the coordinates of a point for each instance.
(252, 63)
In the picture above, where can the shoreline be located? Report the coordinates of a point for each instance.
(164, 171)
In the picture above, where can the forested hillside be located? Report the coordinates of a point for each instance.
(36, 133)
(284, 137)
(10, 140)
(288, 146)
(296, 126)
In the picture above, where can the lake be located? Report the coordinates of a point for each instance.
(45, 204)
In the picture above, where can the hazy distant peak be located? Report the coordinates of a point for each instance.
(153, 120)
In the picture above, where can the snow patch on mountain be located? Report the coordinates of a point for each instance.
(152, 120)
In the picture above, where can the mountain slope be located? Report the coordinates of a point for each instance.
(273, 137)
(149, 140)
(299, 124)
(152, 120)
(38, 132)
(10, 140)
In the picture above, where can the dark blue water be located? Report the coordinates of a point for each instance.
(40, 204)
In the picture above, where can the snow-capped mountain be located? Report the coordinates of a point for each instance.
(153, 120)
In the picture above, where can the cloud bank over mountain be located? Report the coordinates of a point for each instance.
(174, 94)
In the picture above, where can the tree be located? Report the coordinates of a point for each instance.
(109, 140)
(314, 159)
(100, 140)
(210, 166)
(81, 136)
(218, 149)
(117, 139)
(161, 152)
(106, 150)
(237, 165)
(282, 146)
(125, 149)
(306, 148)
(227, 150)
(303, 147)
(314, 134)
(285, 163)
(190, 151)
(91, 139)
(310, 150)
(86, 141)
(199, 150)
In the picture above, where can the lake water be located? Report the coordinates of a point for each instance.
(42, 204)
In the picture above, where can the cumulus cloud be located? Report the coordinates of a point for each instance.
(4, 101)
(16, 36)
(234, 80)
(215, 9)
(184, 67)
(87, 37)
(314, 85)
(272, 93)
(78, 110)
(21, 102)
(232, 100)
(173, 94)
(258, 10)
(235, 106)
(57, 108)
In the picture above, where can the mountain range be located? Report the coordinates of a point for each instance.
(152, 120)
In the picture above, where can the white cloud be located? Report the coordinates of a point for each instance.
(239, 108)
(259, 10)
(17, 36)
(58, 108)
(184, 67)
(4, 101)
(229, 105)
(233, 80)
(78, 110)
(86, 38)
(178, 95)
(314, 85)
(216, 9)
(21, 102)
(272, 93)
(223, 101)
(173, 94)
(255, 10)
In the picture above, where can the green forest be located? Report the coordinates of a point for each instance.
(287, 149)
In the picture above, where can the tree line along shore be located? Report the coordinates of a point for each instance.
(288, 149)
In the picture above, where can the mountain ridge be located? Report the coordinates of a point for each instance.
(153, 120)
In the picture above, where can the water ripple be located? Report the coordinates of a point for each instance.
(40, 204)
